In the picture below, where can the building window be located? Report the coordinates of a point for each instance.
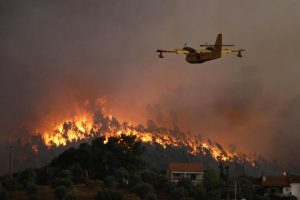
(193, 176)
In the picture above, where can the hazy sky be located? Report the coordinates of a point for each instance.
(54, 54)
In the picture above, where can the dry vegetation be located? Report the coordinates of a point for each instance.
(83, 192)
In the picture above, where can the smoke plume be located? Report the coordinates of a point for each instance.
(57, 54)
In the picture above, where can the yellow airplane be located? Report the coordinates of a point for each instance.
(211, 52)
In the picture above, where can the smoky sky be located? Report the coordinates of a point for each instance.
(54, 54)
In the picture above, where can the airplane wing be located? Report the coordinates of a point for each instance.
(203, 51)
(232, 50)
(178, 51)
(239, 51)
(182, 51)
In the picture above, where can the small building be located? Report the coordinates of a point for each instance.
(276, 185)
(281, 186)
(191, 171)
(295, 186)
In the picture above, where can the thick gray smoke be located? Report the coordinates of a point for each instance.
(54, 54)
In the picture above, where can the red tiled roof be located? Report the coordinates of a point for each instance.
(186, 167)
(295, 179)
(275, 181)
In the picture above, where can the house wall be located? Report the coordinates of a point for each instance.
(286, 191)
(295, 189)
(196, 177)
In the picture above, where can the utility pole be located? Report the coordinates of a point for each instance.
(244, 163)
(227, 184)
(10, 159)
(235, 189)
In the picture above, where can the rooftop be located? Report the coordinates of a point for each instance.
(186, 167)
(295, 179)
(276, 181)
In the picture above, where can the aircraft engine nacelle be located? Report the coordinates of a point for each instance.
(160, 55)
(239, 54)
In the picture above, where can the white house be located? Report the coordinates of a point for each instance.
(192, 171)
(282, 186)
(276, 185)
(295, 186)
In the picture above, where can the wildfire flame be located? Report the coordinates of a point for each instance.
(89, 124)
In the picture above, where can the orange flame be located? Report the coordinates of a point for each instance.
(84, 126)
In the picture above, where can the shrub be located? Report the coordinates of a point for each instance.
(27, 176)
(9, 183)
(45, 175)
(259, 197)
(32, 188)
(149, 177)
(161, 181)
(60, 192)
(78, 175)
(3, 193)
(294, 197)
(77, 170)
(66, 174)
(179, 193)
(79, 179)
(110, 182)
(62, 182)
(70, 196)
(199, 193)
(188, 198)
(106, 194)
(122, 175)
(135, 179)
(150, 196)
(33, 197)
(168, 187)
(142, 189)
(185, 183)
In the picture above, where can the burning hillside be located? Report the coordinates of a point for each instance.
(89, 123)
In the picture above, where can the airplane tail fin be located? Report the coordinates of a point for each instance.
(218, 44)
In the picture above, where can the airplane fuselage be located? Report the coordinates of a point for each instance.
(195, 57)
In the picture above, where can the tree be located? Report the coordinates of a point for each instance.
(106, 194)
(66, 174)
(70, 196)
(78, 174)
(142, 189)
(179, 193)
(32, 188)
(45, 175)
(246, 189)
(101, 160)
(62, 182)
(110, 182)
(122, 175)
(148, 176)
(211, 180)
(27, 176)
(33, 197)
(199, 193)
(168, 187)
(150, 196)
(211, 184)
(60, 192)
(185, 183)
(9, 183)
(3, 193)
